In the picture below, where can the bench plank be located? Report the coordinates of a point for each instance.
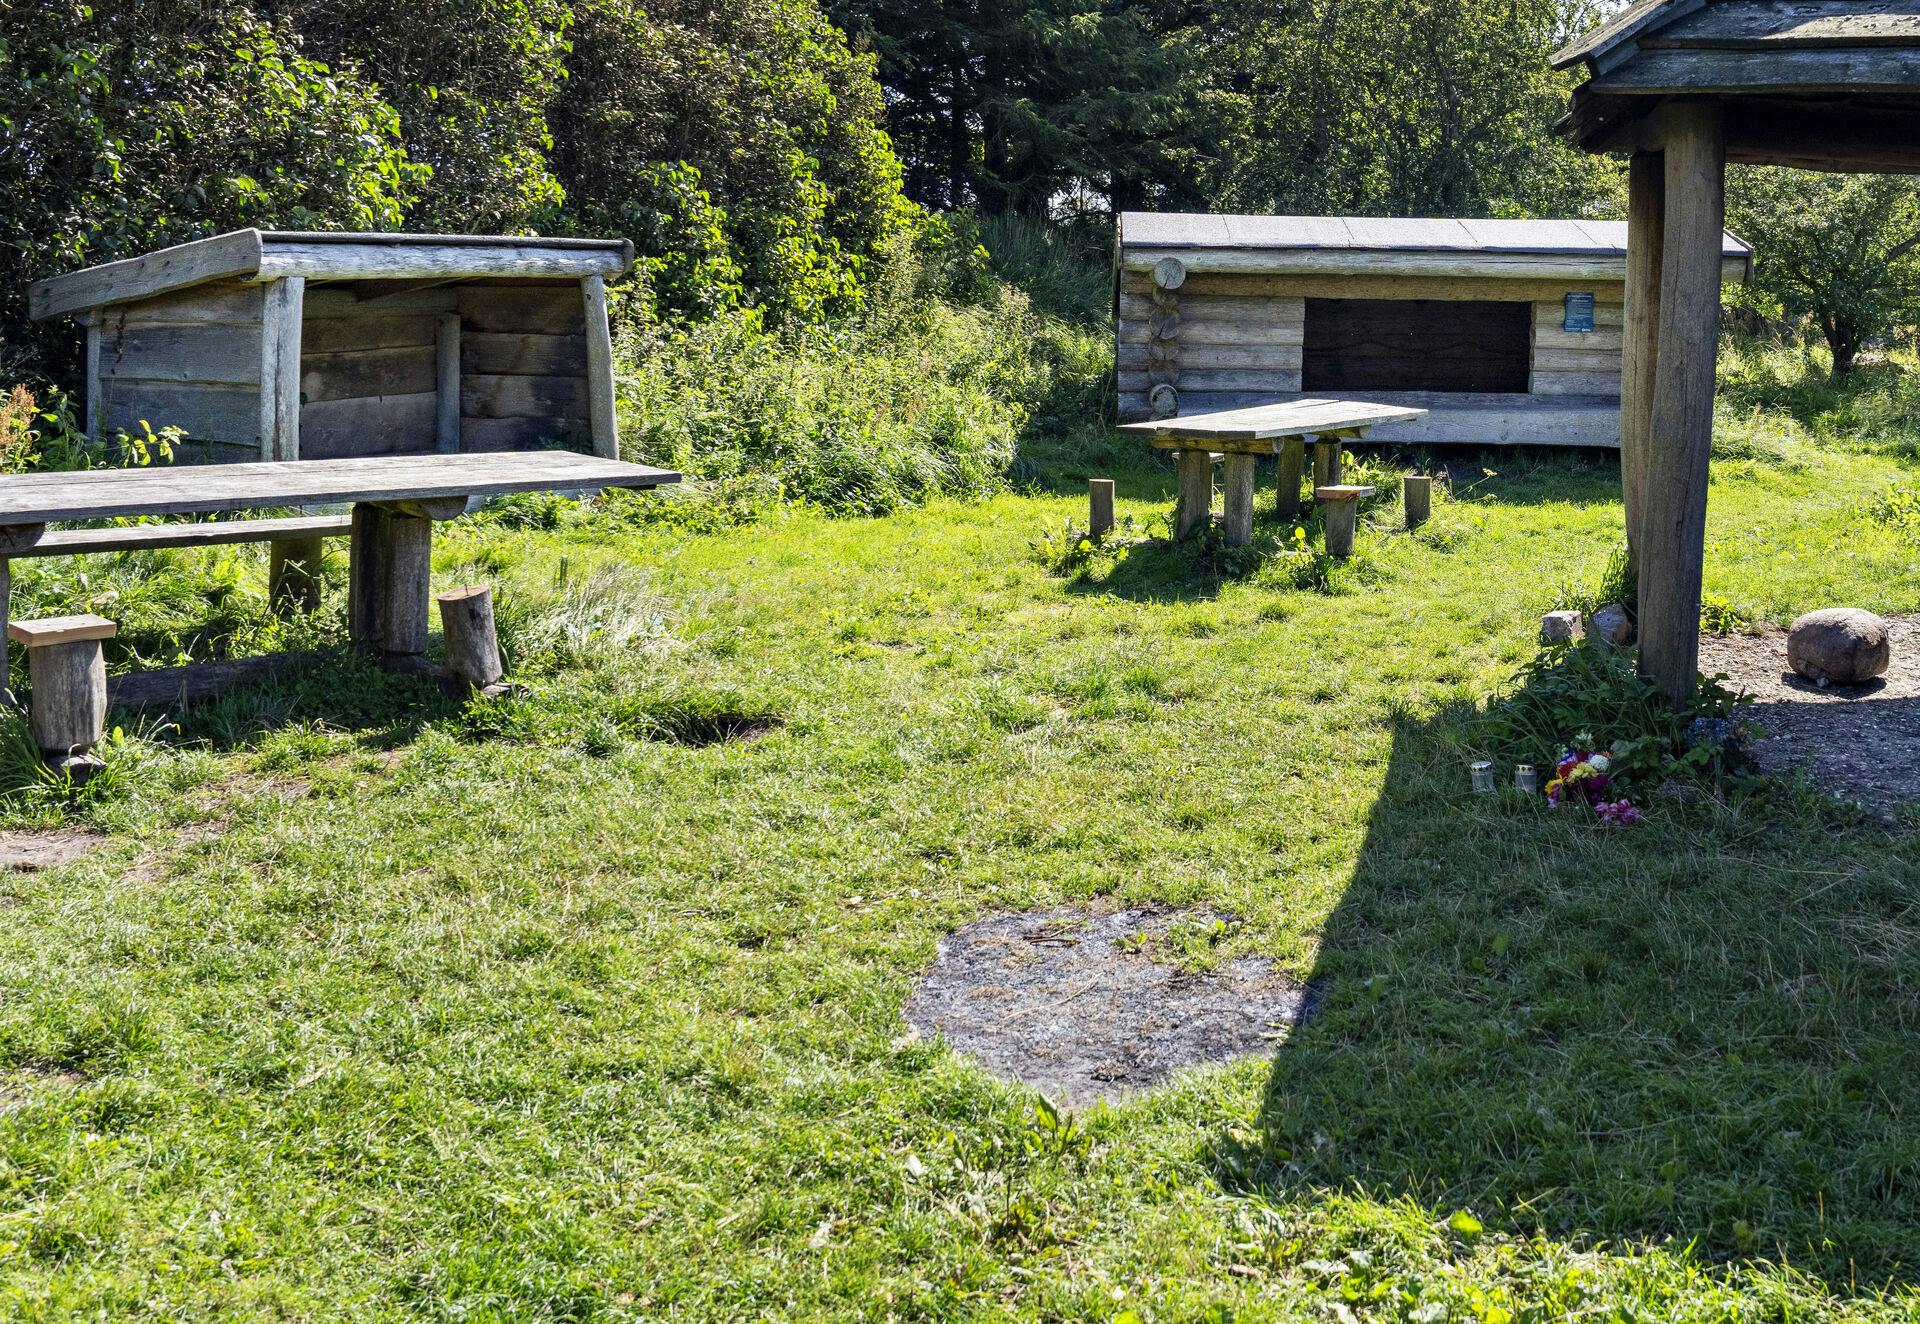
(207, 489)
(142, 537)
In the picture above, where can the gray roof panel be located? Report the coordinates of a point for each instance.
(1380, 234)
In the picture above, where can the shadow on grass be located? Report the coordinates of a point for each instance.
(1703, 1029)
(339, 687)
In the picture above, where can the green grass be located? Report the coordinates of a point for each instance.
(376, 1006)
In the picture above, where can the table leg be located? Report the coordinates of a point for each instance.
(1326, 462)
(1291, 462)
(6, 657)
(407, 545)
(1239, 499)
(366, 584)
(1195, 511)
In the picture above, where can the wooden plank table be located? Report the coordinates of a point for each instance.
(1242, 434)
(395, 500)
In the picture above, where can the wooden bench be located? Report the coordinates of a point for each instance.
(395, 498)
(295, 563)
(1241, 435)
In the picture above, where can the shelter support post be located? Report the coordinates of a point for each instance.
(1672, 512)
(602, 420)
(281, 307)
(1646, 228)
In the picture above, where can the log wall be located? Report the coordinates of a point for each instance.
(367, 372)
(189, 360)
(523, 366)
(1225, 339)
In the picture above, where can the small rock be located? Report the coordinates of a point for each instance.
(1611, 625)
(1559, 627)
(1838, 646)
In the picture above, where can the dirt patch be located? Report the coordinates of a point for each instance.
(1857, 742)
(21, 1086)
(26, 851)
(1083, 1005)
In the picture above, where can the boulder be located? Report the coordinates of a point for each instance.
(1611, 625)
(1559, 627)
(1838, 646)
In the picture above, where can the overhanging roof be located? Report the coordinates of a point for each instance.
(264, 255)
(1336, 245)
(1831, 84)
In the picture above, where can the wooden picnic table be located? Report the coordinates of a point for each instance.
(395, 500)
(1240, 435)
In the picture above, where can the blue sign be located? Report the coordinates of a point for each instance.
(1579, 313)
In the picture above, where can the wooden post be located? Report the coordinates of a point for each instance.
(1342, 518)
(68, 673)
(280, 311)
(600, 402)
(1673, 508)
(446, 384)
(1417, 494)
(473, 646)
(1646, 228)
(1290, 462)
(406, 584)
(95, 383)
(366, 554)
(1099, 506)
(1342, 506)
(1326, 462)
(293, 574)
(1195, 510)
(1238, 482)
(6, 658)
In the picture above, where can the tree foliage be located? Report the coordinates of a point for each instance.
(1006, 107)
(1408, 107)
(1842, 250)
(738, 142)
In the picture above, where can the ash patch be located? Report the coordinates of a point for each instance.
(1082, 1005)
(28, 851)
(1856, 742)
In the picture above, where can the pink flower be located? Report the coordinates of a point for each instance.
(1619, 813)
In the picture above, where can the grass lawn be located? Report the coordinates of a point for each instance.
(373, 1007)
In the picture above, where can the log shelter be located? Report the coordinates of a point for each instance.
(278, 345)
(1684, 87)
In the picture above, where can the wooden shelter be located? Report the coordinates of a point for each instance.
(1500, 331)
(270, 345)
(1686, 86)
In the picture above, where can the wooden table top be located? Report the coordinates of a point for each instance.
(198, 489)
(1297, 418)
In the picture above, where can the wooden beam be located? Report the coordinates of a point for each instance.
(95, 383)
(1680, 422)
(235, 254)
(1757, 73)
(600, 401)
(362, 258)
(280, 369)
(1646, 222)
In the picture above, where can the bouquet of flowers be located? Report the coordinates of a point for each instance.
(1584, 776)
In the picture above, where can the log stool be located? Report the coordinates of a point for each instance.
(1342, 506)
(1099, 507)
(1417, 491)
(473, 646)
(68, 712)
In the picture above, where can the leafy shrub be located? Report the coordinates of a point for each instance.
(916, 398)
(1070, 550)
(1897, 508)
(1589, 696)
(1719, 615)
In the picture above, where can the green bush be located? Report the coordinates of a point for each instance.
(914, 399)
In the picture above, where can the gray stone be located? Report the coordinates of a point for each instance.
(1838, 646)
(1611, 625)
(1559, 627)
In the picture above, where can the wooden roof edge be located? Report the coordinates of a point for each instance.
(272, 254)
(1597, 49)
